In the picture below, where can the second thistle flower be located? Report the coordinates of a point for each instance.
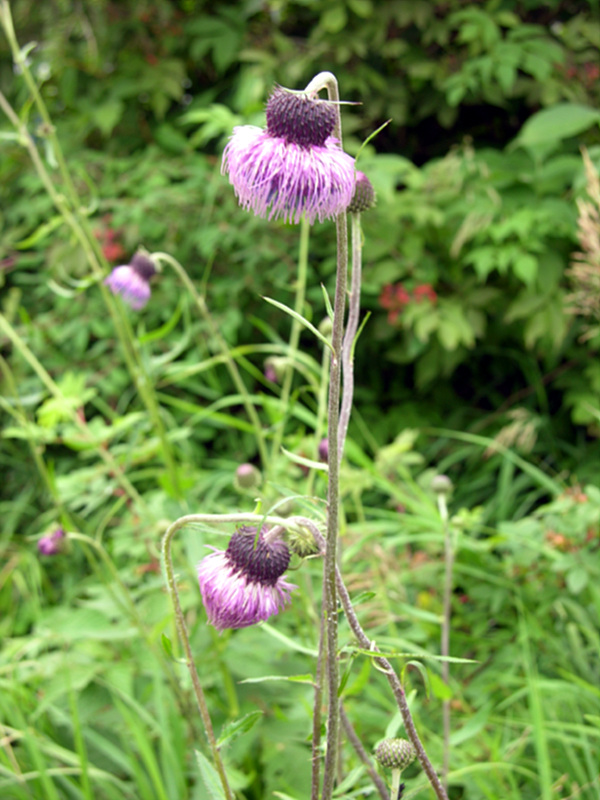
(295, 166)
(244, 585)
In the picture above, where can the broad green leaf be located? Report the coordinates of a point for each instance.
(558, 122)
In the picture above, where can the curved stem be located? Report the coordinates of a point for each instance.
(124, 334)
(189, 658)
(229, 360)
(294, 334)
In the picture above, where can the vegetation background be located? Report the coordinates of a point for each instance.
(473, 363)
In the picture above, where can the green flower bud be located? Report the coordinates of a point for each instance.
(395, 753)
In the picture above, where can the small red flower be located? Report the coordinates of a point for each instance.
(394, 298)
(424, 292)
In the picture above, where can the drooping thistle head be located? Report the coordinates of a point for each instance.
(293, 168)
(243, 585)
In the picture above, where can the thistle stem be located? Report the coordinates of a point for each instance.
(351, 329)
(381, 661)
(189, 658)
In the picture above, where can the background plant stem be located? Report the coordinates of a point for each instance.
(222, 344)
(294, 335)
(445, 645)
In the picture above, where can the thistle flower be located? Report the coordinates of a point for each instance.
(295, 166)
(51, 543)
(132, 281)
(243, 585)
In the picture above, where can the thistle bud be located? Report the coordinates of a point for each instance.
(395, 753)
(364, 194)
(247, 476)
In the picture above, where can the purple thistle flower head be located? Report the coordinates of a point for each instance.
(295, 166)
(132, 281)
(51, 543)
(243, 585)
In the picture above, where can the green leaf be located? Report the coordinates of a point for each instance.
(440, 689)
(210, 779)
(334, 19)
(237, 728)
(559, 122)
(40, 233)
(300, 319)
(577, 579)
(525, 267)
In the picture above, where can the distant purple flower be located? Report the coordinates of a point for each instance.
(295, 166)
(323, 450)
(51, 543)
(243, 585)
(132, 281)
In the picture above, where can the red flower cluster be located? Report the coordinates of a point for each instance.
(394, 298)
(108, 237)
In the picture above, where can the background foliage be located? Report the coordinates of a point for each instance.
(471, 363)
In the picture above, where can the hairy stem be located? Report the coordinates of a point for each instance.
(381, 661)
(351, 329)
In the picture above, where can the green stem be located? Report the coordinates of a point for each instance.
(328, 81)
(21, 416)
(124, 333)
(321, 411)
(222, 344)
(351, 330)
(445, 644)
(294, 334)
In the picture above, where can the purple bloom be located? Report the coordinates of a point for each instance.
(324, 450)
(51, 543)
(132, 281)
(243, 585)
(295, 166)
